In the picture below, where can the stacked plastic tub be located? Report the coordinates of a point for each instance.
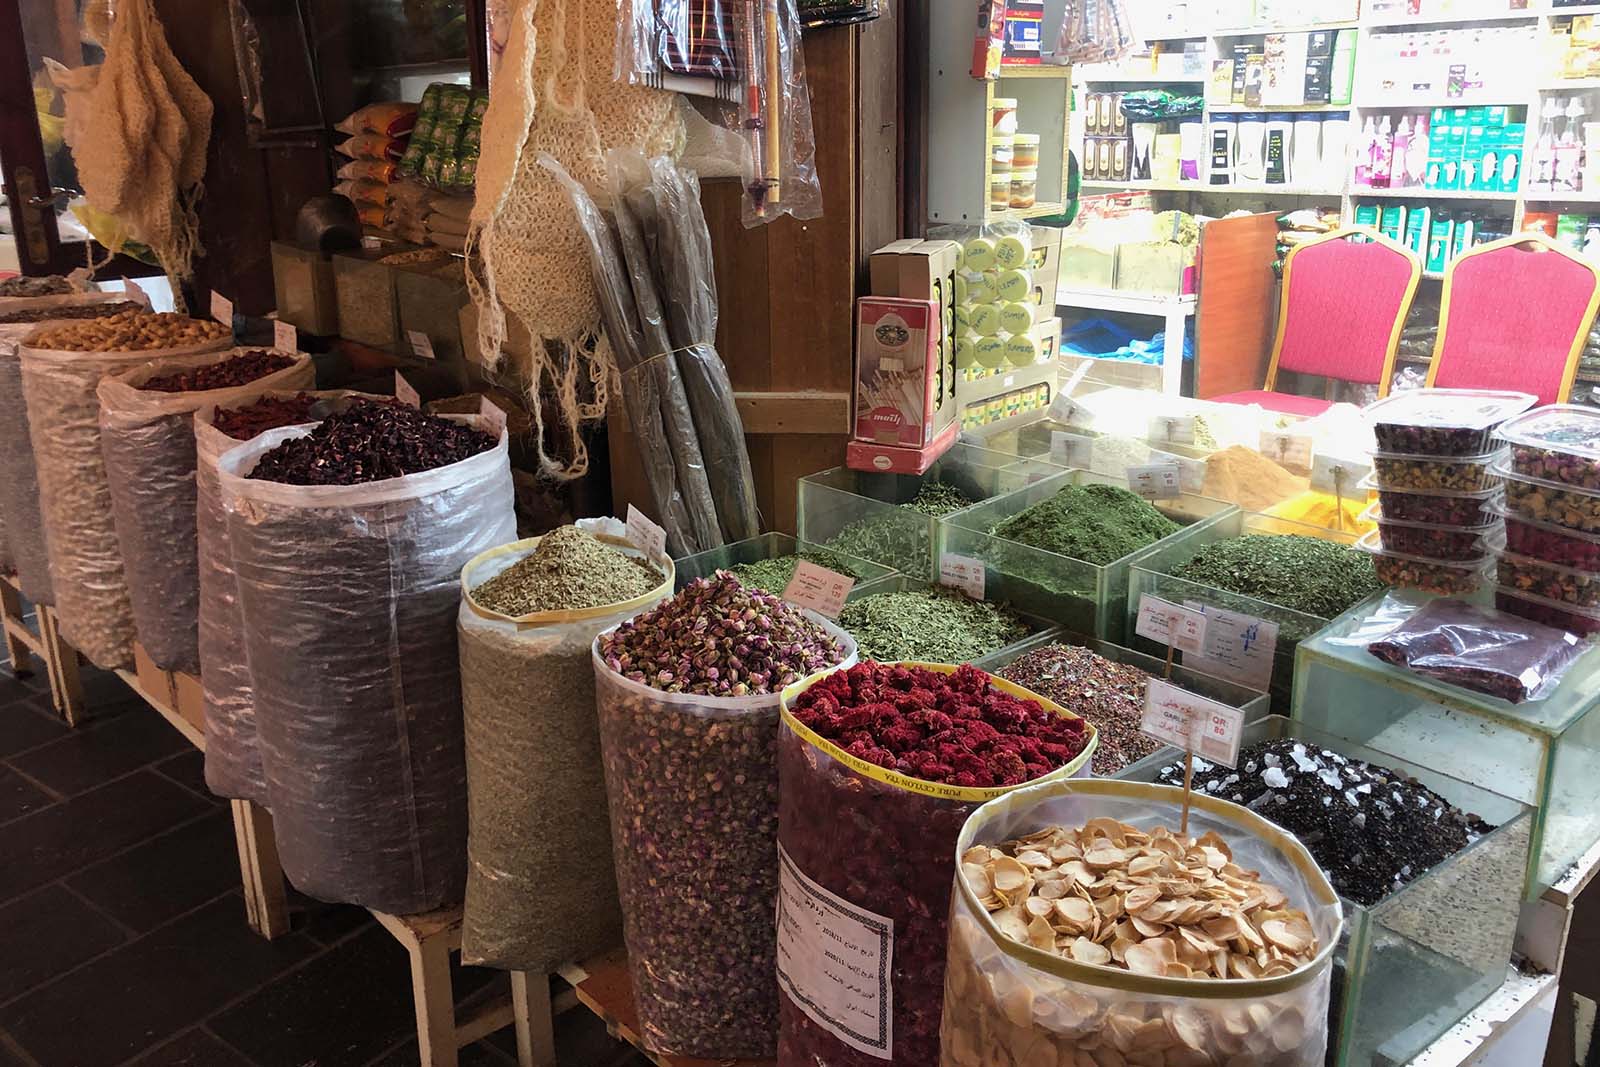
(1550, 569)
(1439, 527)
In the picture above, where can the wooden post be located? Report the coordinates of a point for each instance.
(435, 1001)
(266, 903)
(535, 1020)
(16, 647)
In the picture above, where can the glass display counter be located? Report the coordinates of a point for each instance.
(772, 546)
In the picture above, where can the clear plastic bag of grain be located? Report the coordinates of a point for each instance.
(147, 437)
(537, 900)
(1009, 1002)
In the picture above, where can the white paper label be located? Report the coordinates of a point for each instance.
(371, 244)
(404, 393)
(1071, 449)
(818, 588)
(421, 345)
(1287, 449)
(222, 309)
(835, 960)
(963, 573)
(285, 338)
(135, 292)
(495, 420)
(1339, 474)
(1238, 647)
(1159, 481)
(1172, 429)
(1168, 624)
(82, 280)
(646, 536)
(1209, 729)
(1062, 408)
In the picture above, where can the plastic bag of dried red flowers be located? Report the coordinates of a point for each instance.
(879, 767)
(688, 699)
(348, 596)
(147, 437)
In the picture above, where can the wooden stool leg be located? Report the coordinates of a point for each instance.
(436, 1002)
(535, 1021)
(11, 605)
(62, 660)
(266, 902)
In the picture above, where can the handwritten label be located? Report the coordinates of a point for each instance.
(135, 292)
(421, 345)
(835, 960)
(1071, 449)
(646, 536)
(1209, 729)
(963, 573)
(371, 244)
(1338, 474)
(1191, 472)
(1167, 623)
(818, 588)
(285, 337)
(494, 418)
(1287, 449)
(1238, 647)
(1159, 481)
(1173, 429)
(404, 393)
(222, 309)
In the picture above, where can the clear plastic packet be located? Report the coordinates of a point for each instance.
(391, 118)
(815, 13)
(1093, 31)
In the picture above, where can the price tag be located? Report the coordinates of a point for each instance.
(1167, 623)
(1287, 449)
(1171, 429)
(1191, 472)
(646, 536)
(1159, 481)
(404, 393)
(222, 309)
(135, 292)
(963, 573)
(1338, 474)
(1207, 728)
(285, 337)
(1237, 647)
(1062, 408)
(1071, 449)
(421, 345)
(82, 280)
(818, 588)
(495, 421)
(371, 244)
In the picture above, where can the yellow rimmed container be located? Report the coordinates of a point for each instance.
(889, 873)
(1006, 1001)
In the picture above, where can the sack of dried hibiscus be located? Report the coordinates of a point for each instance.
(879, 766)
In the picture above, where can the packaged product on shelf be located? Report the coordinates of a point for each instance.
(1560, 443)
(689, 737)
(1440, 507)
(1444, 422)
(1029, 977)
(1569, 617)
(1483, 650)
(62, 364)
(1546, 541)
(1442, 576)
(1466, 474)
(1543, 500)
(372, 146)
(1430, 539)
(388, 118)
(937, 625)
(147, 437)
(348, 546)
(851, 754)
(1569, 585)
(530, 613)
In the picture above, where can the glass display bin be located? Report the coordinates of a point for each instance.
(859, 512)
(364, 289)
(1152, 574)
(772, 546)
(1038, 628)
(1416, 962)
(1543, 753)
(1086, 597)
(430, 297)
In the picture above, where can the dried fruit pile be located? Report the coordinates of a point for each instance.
(1097, 523)
(134, 330)
(371, 441)
(885, 845)
(1108, 694)
(248, 422)
(230, 373)
(568, 571)
(1371, 829)
(70, 311)
(937, 625)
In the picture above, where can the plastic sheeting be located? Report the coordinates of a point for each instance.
(349, 597)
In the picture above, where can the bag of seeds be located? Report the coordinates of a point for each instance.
(91, 591)
(147, 436)
(692, 781)
(533, 746)
(349, 594)
(879, 767)
(1081, 959)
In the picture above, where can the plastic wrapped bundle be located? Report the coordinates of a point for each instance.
(349, 595)
(91, 590)
(148, 440)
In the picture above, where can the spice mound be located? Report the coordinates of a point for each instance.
(228, 374)
(1245, 477)
(958, 729)
(938, 625)
(368, 442)
(24, 286)
(129, 331)
(1108, 694)
(73, 311)
(1306, 574)
(720, 638)
(901, 540)
(568, 571)
(1371, 829)
(1097, 523)
(773, 575)
(938, 498)
(248, 422)
(1112, 895)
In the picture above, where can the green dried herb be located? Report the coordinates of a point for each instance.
(901, 540)
(773, 575)
(1096, 523)
(934, 626)
(568, 571)
(1306, 574)
(939, 498)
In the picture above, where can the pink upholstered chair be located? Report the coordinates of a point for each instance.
(1515, 315)
(1343, 305)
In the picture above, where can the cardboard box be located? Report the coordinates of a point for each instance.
(924, 270)
(889, 459)
(1024, 33)
(191, 700)
(901, 369)
(1045, 263)
(157, 683)
(990, 39)
(883, 267)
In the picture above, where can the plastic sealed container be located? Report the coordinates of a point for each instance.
(1440, 507)
(1003, 115)
(1025, 151)
(1444, 422)
(1024, 187)
(1000, 189)
(1553, 544)
(1569, 617)
(1546, 501)
(1569, 585)
(1445, 577)
(1429, 539)
(1560, 443)
(1001, 152)
(1409, 470)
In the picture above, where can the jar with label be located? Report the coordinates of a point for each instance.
(1003, 115)
(1024, 188)
(1000, 152)
(1025, 151)
(1000, 189)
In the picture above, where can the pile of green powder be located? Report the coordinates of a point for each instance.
(934, 625)
(568, 571)
(1096, 523)
(901, 541)
(773, 575)
(1306, 574)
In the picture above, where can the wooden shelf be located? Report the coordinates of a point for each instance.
(1149, 79)
(1241, 109)
(1202, 187)
(1362, 193)
(1555, 196)
(1381, 22)
(1570, 85)
(1496, 100)
(1309, 27)
(1043, 70)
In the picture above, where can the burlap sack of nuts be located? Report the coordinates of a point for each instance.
(349, 597)
(62, 365)
(1007, 1001)
(148, 441)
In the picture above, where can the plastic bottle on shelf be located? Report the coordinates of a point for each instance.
(1569, 148)
(1544, 149)
(1224, 143)
(1335, 148)
(1400, 154)
(1280, 139)
(1307, 162)
(1417, 150)
(1364, 147)
(1252, 160)
(1383, 154)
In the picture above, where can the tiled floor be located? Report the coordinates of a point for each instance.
(122, 930)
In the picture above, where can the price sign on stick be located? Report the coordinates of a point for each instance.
(818, 588)
(285, 337)
(1338, 475)
(494, 419)
(1160, 481)
(1071, 449)
(963, 573)
(1194, 724)
(1176, 627)
(404, 393)
(421, 344)
(222, 309)
(646, 536)
(1287, 449)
